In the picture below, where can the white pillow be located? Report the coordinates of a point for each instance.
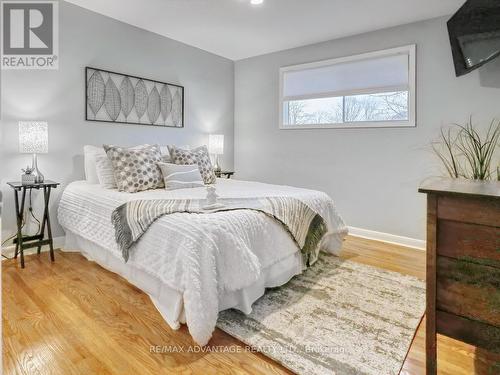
(105, 174)
(89, 156)
(164, 152)
(181, 176)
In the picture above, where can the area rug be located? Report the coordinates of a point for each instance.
(338, 317)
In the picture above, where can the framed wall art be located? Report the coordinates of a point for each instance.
(122, 98)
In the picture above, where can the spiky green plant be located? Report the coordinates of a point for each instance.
(467, 154)
(478, 151)
(445, 151)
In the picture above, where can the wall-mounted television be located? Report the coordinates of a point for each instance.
(475, 34)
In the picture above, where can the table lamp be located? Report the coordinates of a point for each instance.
(216, 147)
(34, 139)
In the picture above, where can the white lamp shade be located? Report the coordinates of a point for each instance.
(216, 144)
(33, 137)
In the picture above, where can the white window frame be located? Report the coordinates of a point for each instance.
(409, 50)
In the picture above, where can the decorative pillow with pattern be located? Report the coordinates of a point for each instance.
(198, 156)
(136, 170)
(104, 167)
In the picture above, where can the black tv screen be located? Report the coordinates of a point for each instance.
(475, 34)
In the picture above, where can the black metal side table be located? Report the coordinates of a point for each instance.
(226, 174)
(38, 240)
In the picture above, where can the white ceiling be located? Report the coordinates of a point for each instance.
(236, 29)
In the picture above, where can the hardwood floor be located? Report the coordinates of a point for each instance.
(74, 317)
(454, 357)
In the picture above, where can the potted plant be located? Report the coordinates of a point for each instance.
(28, 177)
(465, 153)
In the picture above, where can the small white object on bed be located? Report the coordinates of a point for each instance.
(192, 265)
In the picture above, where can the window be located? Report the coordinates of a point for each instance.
(375, 89)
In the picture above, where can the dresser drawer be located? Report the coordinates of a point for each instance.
(475, 333)
(468, 289)
(469, 210)
(467, 241)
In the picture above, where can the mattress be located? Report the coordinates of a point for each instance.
(202, 263)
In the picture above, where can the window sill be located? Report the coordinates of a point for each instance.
(353, 125)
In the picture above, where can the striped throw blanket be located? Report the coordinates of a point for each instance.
(307, 228)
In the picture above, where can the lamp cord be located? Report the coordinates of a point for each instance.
(30, 209)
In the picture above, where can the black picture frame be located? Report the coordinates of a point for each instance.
(117, 121)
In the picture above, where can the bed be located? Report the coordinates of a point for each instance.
(194, 265)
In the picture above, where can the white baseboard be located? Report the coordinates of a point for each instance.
(386, 237)
(353, 231)
(9, 251)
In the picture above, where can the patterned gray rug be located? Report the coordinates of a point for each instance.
(338, 317)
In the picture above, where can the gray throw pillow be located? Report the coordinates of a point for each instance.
(136, 170)
(197, 156)
(181, 176)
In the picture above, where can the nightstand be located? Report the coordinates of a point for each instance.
(226, 174)
(38, 240)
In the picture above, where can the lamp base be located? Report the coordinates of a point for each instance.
(39, 178)
(217, 167)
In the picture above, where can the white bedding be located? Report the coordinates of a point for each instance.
(201, 256)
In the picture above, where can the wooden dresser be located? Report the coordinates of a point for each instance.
(463, 264)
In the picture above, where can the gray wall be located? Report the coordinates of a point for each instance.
(87, 38)
(372, 174)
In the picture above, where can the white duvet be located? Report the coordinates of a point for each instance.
(199, 255)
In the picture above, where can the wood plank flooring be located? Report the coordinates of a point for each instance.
(74, 317)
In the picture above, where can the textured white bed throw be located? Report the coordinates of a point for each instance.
(199, 255)
(132, 219)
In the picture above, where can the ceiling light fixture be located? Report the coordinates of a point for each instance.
(256, 2)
